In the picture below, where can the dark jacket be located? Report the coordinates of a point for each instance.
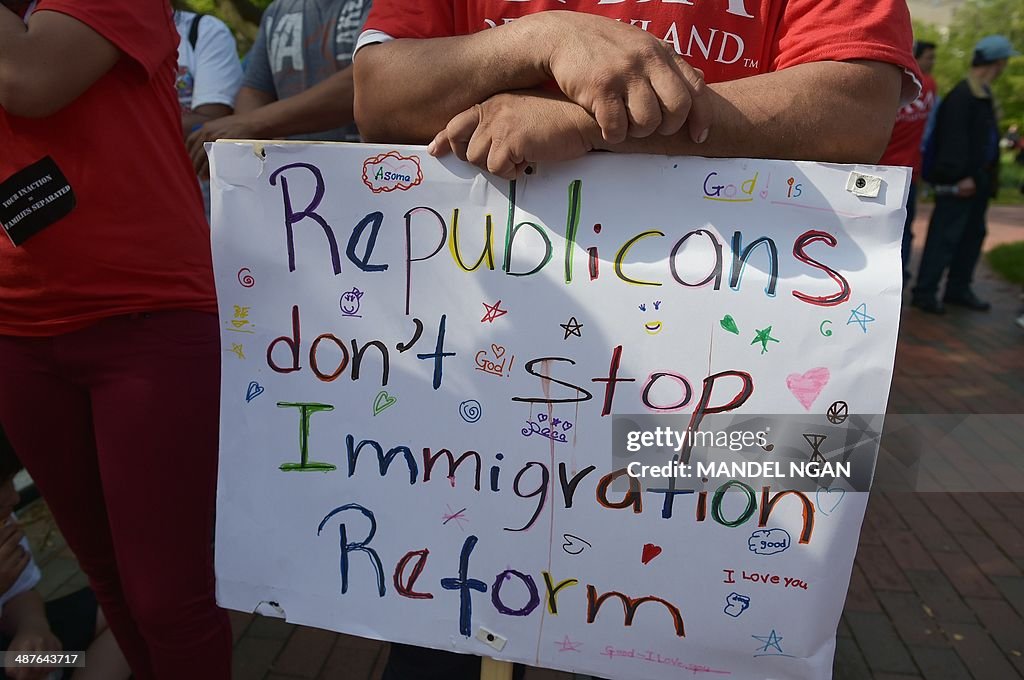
(965, 139)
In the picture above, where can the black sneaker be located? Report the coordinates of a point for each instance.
(968, 300)
(929, 305)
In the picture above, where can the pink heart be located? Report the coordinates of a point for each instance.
(808, 386)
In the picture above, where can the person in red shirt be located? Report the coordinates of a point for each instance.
(802, 79)
(504, 84)
(109, 343)
(907, 139)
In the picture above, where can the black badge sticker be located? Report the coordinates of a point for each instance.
(34, 198)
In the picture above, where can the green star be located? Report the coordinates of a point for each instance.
(763, 336)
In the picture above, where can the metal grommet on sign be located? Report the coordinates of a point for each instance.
(863, 185)
(491, 638)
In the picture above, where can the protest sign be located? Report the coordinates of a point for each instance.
(423, 364)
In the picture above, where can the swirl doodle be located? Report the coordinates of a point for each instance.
(470, 410)
(245, 278)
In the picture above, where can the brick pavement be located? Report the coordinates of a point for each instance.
(937, 591)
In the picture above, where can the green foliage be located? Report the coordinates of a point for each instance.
(971, 21)
(242, 16)
(1011, 179)
(1008, 260)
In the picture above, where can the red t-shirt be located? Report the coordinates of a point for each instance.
(727, 39)
(905, 144)
(136, 239)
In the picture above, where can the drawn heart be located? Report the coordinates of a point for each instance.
(574, 545)
(828, 498)
(808, 386)
(383, 401)
(764, 193)
(254, 390)
(729, 324)
(498, 350)
(650, 552)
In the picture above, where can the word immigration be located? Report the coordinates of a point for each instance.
(430, 378)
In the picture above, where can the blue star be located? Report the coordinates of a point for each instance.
(771, 640)
(860, 316)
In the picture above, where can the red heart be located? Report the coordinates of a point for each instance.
(498, 350)
(650, 552)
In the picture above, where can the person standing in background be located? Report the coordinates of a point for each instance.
(907, 137)
(109, 337)
(209, 73)
(961, 161)
(298, 78)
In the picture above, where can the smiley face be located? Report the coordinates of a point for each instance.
(652, 326)
(350, 302)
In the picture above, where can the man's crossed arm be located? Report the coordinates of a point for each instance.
(621, 89)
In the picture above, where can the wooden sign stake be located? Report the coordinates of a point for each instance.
(491, 669)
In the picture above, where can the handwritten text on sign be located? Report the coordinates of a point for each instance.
(421, 365)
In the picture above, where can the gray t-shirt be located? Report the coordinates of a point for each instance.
(301, 43)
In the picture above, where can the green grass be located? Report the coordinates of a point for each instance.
(1008, 260)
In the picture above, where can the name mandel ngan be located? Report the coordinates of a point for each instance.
(744, 468)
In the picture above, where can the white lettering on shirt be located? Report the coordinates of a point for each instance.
(286, 42)
(736, 7)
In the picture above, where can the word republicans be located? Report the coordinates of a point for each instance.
(749, 469)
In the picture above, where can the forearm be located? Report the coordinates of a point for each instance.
(47, 65)
(827, 111)
(12, 27)
(25, 612)
(194, 119)
(325, 106)
(12, 39)
(408, 90)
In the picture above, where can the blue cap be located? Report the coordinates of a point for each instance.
(994, 47)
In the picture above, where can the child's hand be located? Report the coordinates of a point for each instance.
(31, 641)
(13, 558)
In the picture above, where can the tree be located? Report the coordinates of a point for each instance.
(971, 21)
(243, 16)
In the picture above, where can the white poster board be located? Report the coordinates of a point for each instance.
(367, 329)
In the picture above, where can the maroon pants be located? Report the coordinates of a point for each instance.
(117, 424)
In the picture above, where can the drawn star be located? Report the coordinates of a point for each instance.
(493, 312)
(572, 327)
(771, 640)
(567, 645)
(764, 336)
(860, 316)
